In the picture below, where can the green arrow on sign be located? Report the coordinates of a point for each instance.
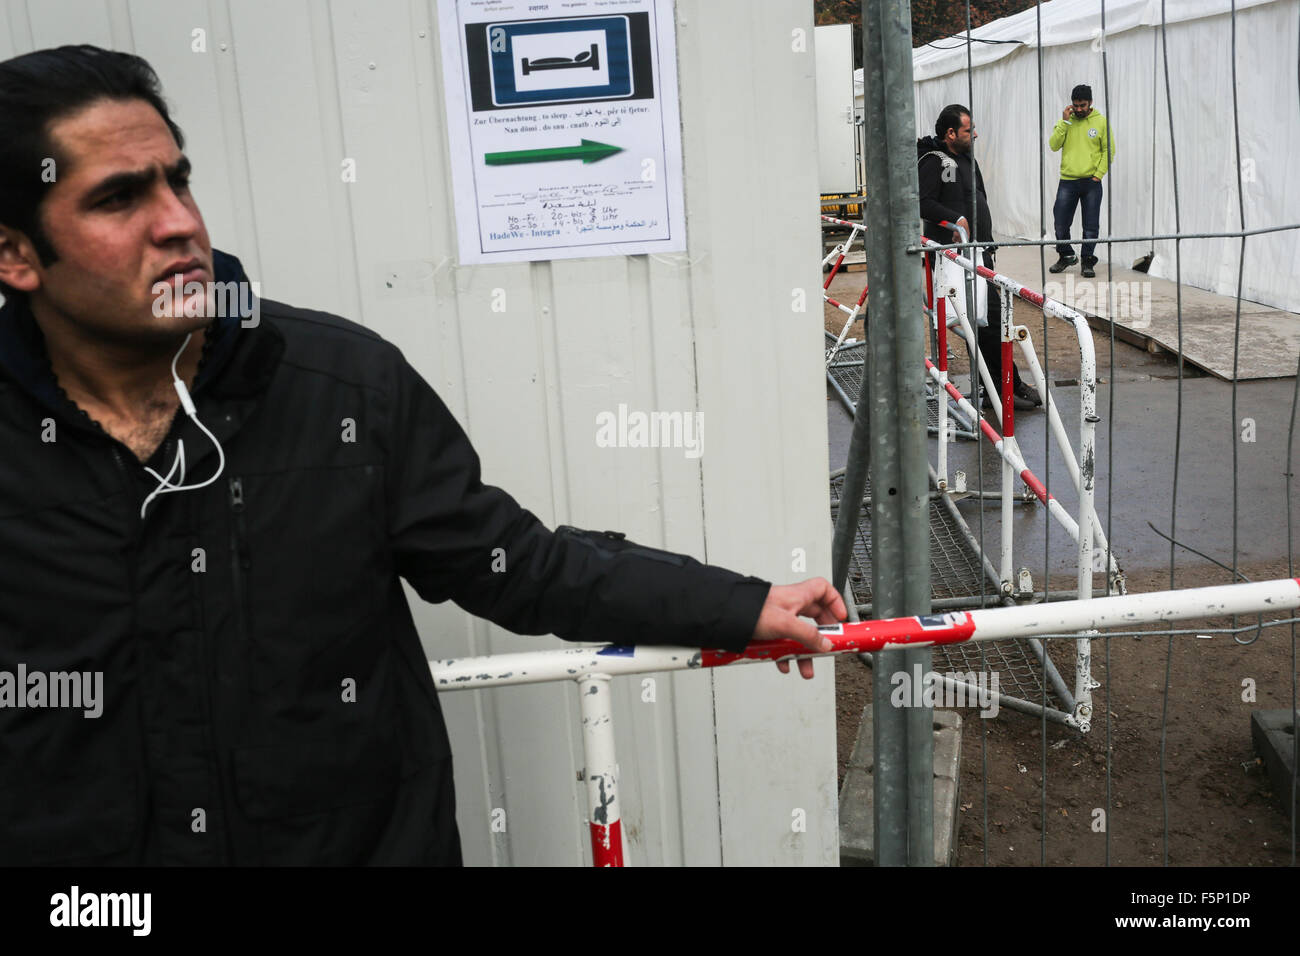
(588, 152)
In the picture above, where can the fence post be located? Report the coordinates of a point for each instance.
(893, 389)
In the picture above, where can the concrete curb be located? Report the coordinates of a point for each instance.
(857, 796)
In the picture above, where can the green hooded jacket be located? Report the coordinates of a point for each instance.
(1084, 140)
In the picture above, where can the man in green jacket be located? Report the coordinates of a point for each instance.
(1087, 147)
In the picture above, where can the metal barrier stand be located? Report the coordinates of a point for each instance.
(592, 667)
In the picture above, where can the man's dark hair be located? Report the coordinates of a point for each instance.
(40, 88)
(949, 118)
(1082, 92)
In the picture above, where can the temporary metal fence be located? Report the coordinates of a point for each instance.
(961, 577)
(844, 356)
(844, 375)
(1086, 528)
(888, 104)
(838, 253)
(1082, 469)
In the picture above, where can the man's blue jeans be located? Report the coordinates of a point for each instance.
(1070, 193)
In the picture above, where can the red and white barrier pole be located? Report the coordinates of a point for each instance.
(942, 321)
(843, 250)
(1123, 611)
(844, 222)
(601, 770)
(593, 667)
(851, 312)
(848, 323)
(1029, 620)
(929, 282)
(1006, 568)
(1011, 453)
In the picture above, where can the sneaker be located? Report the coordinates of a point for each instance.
(1062, 264)
(1088, 271)
(1028, 393)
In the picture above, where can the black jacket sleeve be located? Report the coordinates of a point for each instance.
(454, 537)
(929, 175)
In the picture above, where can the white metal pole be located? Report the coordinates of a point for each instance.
(942, 398)
(601, 771)
(1088, 418)
(1007, 570)
(1062, 439)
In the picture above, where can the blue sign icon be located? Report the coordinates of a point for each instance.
(556, 61)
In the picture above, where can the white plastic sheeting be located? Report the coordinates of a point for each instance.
(1063, 22)
(1003, 94)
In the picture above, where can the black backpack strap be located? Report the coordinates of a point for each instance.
(944, 158)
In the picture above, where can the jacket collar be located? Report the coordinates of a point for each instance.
(239, 364)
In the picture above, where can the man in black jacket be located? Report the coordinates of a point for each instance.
(212, 507)
(952, 190)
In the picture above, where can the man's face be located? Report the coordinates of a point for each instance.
(959, 139)
(1081, 108)
(121, 219)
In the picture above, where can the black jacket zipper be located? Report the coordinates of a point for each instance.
(238, 555)
(238, 567)
(138, 529)
(130, 488)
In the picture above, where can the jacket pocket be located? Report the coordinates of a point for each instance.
(78, 819)
(311, 776)
(330, 802)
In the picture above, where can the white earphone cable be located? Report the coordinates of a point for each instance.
(165, 484)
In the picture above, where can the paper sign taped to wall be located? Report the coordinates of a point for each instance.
(565, 131)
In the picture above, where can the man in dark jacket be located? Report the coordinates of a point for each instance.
(952, 190)
(206, 512)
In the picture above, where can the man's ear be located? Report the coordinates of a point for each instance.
(18, 261)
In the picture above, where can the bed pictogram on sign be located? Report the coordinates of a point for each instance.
(534, 62)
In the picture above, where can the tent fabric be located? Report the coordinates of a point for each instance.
(1193, 123)
(1063, 22)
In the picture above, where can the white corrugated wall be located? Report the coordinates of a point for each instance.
(716, 769)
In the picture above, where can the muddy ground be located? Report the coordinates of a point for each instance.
(1222, 808)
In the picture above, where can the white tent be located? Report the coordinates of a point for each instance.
(1002, 92)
